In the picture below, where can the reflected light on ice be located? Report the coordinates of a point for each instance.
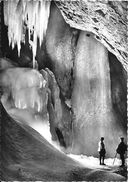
(93, 162)
(35, 121)
(44, 129)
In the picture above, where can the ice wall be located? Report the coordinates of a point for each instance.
(91, 99)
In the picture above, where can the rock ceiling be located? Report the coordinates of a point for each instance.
(107, 20)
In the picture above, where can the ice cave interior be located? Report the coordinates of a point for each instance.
(61, 80)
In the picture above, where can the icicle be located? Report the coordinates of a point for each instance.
(34, 14)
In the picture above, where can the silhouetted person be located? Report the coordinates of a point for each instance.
(101, 150)
(121, 149)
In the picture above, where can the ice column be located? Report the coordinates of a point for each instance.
(91, 98)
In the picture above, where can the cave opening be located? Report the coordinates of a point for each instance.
(72, 87)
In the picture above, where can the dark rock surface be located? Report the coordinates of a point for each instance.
(107, 20)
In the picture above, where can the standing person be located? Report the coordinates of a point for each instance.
(121, 149)
(101, 150)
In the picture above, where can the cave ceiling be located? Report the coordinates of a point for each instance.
(106, 19)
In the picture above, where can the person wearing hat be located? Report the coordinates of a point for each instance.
(101, 150)
(121, 149)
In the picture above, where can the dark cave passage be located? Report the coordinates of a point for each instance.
(60, 137)
(118, 88)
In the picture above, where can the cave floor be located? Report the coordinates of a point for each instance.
(25, 171)
(111, 164)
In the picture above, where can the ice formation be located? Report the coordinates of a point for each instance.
(22, 14)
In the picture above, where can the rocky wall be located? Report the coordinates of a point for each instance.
(106, 19)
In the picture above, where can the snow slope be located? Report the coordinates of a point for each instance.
(26, 155)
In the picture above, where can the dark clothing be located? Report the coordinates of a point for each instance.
(101, 157)
(102, 152)
(122, 159)
(121, 149)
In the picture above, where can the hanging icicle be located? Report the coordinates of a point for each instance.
(34, 14)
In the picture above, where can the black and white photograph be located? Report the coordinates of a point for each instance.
(63, 90)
